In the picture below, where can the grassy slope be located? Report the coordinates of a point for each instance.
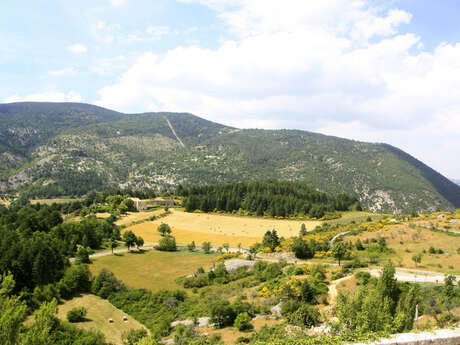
(99, 311)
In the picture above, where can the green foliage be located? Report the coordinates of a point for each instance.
(271, 240)
(106, 284)
(164, 229)
(82, 255)
(191, 246)
(77, 278)
(129, 238)
(222, 314)
(243, 321)
(76, 314)
(302, 249)
(339, 250)
(133, 336)
(167, 243)
(304, 316)
(206, 246)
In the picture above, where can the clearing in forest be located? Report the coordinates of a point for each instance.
(153, 270)
(99, 312)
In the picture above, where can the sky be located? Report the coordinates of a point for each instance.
(371, 70)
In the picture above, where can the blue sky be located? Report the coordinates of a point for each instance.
(379, 71)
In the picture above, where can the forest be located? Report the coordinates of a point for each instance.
(269, 198)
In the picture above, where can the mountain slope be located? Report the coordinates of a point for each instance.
(87, 147)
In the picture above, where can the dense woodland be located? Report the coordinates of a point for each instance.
(272, 198)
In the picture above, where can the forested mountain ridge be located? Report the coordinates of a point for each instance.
(50, 149)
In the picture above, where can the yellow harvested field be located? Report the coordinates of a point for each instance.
(99, 313)
(153, 270)
(219, 229)
(132, 217)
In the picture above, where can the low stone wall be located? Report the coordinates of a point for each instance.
(438, 337)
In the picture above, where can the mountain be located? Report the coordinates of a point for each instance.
(456, 181)
(49, 149)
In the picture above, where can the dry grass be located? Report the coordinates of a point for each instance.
(99, 311)
(52, 201)
(219, 229)
(132, 217)
(407, 241)
(153, 270)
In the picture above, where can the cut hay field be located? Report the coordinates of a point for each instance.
(407, 241)
(153, 270)
(219, 229)
(99, 311)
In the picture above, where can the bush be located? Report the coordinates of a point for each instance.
(132, 336)
(222, 314)
(302, 250)
(168, 244)
(105, 284)
(243, 322)
(76, 314)
(305, 316)
(76, 279)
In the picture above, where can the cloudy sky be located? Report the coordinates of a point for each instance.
(378, 71)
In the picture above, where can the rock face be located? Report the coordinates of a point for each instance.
(75, 148)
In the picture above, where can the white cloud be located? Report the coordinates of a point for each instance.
(77, 48)
(315, 65)
(117, 2)
(157, 31)
(52, 96)
(65, 72)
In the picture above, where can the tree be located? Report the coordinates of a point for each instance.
(271, 240)
(304, 316)
(113, 244)
(206, 246)
(12, 311)
(76, 314)
(191, 246)
(139, 242)
(301, 249)
(226, 246)
(303, 230)
(239, 247)
(222, 314)
(83, 255)
(243, 321)
(339, 250)
(129, 238)
(164, 229)
(417, 258)
(168, 243)
(359, 245)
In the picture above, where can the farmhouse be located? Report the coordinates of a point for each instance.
(138, 204)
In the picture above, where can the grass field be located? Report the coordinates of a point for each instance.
(99, 311)
(356, 216)
(153, 270)
(407, 241)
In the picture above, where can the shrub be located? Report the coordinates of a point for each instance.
(105, 284)
(243, 321)
(168, 244)
(206, 246)
(76, 314)
(305, 316)
(76, 279)
(222, 314)
(132, 336)
(302, 250)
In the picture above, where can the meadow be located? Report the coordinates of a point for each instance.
(152, 270)
(408, 240)
(99, 312)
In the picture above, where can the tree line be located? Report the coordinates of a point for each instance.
(268, 198)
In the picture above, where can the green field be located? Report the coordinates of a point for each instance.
(153, 270)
